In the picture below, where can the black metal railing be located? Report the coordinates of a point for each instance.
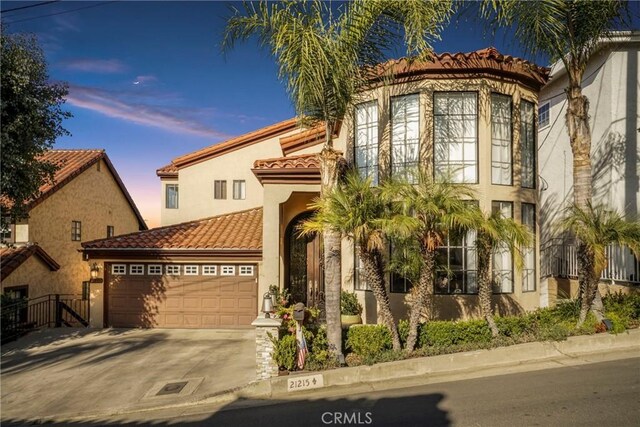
(53, 310)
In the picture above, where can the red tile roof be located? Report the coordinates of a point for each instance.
(236, 143)
(169, 170)
(470, 64)
(235, 231)
(304, 168)
(72, 163)
(12, 258)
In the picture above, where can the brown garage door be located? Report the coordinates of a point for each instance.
(181, 295)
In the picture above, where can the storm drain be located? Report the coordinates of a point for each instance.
(172, 388)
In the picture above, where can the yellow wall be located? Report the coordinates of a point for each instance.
(34, 273)
(95, 199)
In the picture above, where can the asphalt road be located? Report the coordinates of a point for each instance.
(598, 394)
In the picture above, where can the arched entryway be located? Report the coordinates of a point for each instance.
(303, 254)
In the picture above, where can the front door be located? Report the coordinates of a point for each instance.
(304, 278)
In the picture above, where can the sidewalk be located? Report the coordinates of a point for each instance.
(404, 373)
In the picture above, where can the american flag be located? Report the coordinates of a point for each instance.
(302, 346)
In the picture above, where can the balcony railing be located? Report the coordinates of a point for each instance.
(561, 260)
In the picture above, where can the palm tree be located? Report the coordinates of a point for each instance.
(492, 233)
(428, 212)
(325, 58)
(597, 227)
(569, 31)
(356, 210)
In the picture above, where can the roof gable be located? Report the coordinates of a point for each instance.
(12, 258)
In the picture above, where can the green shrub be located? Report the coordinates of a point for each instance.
(619, 324)
(553, 332)
(285, 351)
(448, 333)
(626, 307)
(514, 326)
(319, 356)
(403, 330)
(367, 341)
(349, 304)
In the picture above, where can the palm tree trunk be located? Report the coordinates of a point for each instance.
(423, 298)
(580, 138)
(329, 173)
(374, 275)
(588, 281)
(484, 283)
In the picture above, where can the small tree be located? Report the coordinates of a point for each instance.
(31, 121)
(493, 232)
(597, 227)
(356, 210)
(427, 213)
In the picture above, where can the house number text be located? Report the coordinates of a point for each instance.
(305, 383)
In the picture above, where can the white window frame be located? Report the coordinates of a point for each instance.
(544, 115)
(456, 154)
(115, 269)
(209, 270)
(227, 270)
(366, 140)
(501, 139)
(168, 199)
(139, 269)
(529, 252)
(154, 269)
(250, 271)
(405, 137)
(169, 267)
(188, 268)
(502, 259)
(239, 189)
(528, 172)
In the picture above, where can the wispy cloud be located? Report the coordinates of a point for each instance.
(130, 109)
(140, 80)
(91, 65)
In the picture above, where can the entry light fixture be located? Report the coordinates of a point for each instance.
(95, 270)
(267, 305)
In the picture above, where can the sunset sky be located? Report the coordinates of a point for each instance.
(148, 82)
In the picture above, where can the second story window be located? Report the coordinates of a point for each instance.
(366, 140)
(110, 231)
(219, 189)
(405, 137)
(455, 118)
(501, 139)
(527, 145)
(239, 189)
(543, 115)
(76, 231)
(171, 196)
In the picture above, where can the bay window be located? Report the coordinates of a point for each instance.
(405, 137)
(502, 257)
(455, 116)
(456, 267)
(366, 140)
(529, 252)
(501, 160)
(527, 145)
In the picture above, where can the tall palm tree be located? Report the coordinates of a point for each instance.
(357, 211)
(597, 227)
(569, 31)
(492, 233)
(428, 212)
(325, 57)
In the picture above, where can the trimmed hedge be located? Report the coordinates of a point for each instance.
(372, 343)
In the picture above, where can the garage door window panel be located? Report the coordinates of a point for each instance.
(154, 270)
(209, 270)
(246, 270)
(228, 270)
(136, 269)
(173, 270)
(191, 270)
(119, 269)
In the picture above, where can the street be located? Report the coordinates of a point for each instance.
(598, 394)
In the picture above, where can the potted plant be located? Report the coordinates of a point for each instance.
(350, 309)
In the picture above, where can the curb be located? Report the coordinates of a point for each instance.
(455, 363)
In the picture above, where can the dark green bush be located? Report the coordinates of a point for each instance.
(514, 326)
(367, 341)
(448, 333)
(285, 351)
(349, 304)
(625, 307)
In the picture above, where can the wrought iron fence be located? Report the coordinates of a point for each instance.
(561, 260)
(53, 310)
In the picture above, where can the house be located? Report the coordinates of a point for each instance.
(86, 200)
(611, 84)
(230, 211)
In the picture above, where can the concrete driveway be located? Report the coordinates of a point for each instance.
(77, 372)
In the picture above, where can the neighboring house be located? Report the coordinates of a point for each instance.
(470, 114)
(611, 82)
(86, 200)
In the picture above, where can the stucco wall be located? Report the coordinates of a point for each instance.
(95, 199)
(34, 273)
(611, 84)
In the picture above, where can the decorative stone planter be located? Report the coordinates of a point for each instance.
(350, 319)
